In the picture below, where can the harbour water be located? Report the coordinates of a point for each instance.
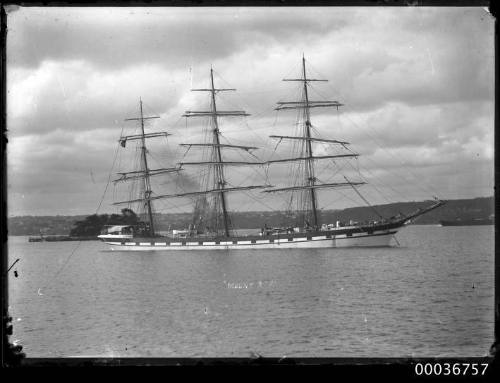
(432, 296)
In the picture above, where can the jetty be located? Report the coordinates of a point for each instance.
(60, 238)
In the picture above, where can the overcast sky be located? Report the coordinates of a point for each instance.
(417, 84)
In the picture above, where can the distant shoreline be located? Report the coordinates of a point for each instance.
(480, 207)
(251, 211)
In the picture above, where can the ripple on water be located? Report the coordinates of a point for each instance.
(417, 300)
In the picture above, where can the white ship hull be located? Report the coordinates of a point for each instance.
(376, 239)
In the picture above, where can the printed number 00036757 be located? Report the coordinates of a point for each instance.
(450, 369)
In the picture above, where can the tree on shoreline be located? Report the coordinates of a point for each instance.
(91, 226)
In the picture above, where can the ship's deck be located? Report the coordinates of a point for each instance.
(252, 238)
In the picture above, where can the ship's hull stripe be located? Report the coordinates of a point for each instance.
(344, 241)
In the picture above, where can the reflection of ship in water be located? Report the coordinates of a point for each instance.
(469, 222)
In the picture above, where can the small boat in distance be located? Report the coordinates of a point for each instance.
(469, 222)
(36, 239)
(212, 228)
(39, 238)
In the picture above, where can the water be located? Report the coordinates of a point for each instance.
(433, 296)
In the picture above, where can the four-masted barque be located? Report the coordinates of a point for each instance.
(212, 227)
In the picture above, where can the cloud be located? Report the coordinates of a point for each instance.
(73, 96)
(121, 37)
(417, 86)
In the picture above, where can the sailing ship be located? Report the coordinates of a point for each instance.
(212, 228)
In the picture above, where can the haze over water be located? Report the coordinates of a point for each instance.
(433, 296)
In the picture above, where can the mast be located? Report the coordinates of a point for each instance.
(310, 181)
(145, 170)
(309, 153)
(219, 168)
(144, 173)
(216, 160)
(147, 182)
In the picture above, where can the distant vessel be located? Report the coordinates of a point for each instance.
(36, 239)
(212, 229)
(469, 222)
(39, 238)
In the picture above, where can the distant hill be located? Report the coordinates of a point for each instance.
(51, 225)
(460, 208)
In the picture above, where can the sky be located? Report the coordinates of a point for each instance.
(417, 84)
